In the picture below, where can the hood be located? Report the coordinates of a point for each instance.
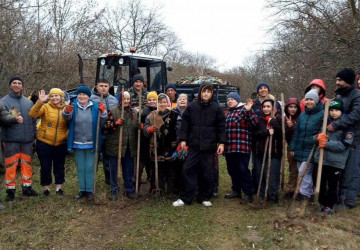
(293, 100)
(319, 83)
(201, 89)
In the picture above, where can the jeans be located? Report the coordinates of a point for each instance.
(127, 165)
(274, 181)
(51, 158)
(85, 168)
(238, 169)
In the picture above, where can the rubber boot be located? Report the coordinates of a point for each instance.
(10, 194)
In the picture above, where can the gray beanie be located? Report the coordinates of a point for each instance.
(312, 94)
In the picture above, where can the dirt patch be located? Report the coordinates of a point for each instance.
(253, 236)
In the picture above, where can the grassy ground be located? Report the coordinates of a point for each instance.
(146, 223)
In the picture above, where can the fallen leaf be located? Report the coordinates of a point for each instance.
(298, 210)
(324, 247)
(80, 211)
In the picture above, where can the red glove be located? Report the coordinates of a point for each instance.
(102, 108)
(119, 122)
(69, 109)
(322, 139)
(151, 129)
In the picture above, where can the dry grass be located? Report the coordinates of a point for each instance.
(62, 223)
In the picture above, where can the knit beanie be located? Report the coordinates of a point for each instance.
(152, 94)
(262, 84)
(336, 104)
(14, 78)
(348, 75)
(138, 77)
(234, 96)
(312, 94)
(57, 91)
(83, 89)
(170, 86)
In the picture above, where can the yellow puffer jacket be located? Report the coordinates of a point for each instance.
(53, 128)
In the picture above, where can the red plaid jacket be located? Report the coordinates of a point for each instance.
(238, 125)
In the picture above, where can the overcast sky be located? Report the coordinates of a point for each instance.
(228, 30)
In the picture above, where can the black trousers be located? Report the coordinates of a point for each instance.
(198, 175)
(329, 186)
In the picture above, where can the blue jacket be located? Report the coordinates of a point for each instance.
(308, 124)
(72, 118)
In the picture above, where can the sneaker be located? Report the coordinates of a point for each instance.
(28, 191)
(46, 192)
(232, 195)
(178, 203)
(207, 203)
(60, 192)
(329, 211)
(82, 194)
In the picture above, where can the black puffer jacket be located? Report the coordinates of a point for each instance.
(203, 124)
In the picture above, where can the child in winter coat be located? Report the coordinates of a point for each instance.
(163, 122)
(239, 121)
(308, 124)
(51, 138)
(319, 86)
(292, 112)
(151, 104)
(128, 147)
(268, 126)
(82, 116)
(203, 131)
(336, 147)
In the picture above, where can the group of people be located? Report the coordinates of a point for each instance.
(178, 142)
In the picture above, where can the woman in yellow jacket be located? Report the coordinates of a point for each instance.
(51, 138)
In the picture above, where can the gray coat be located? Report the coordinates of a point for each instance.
(337, 149)
(24, 132)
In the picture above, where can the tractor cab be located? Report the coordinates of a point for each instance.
(119, 68)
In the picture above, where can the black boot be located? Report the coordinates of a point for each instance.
(28, 191)
(89, 196)
(10, 194)
(81, 195)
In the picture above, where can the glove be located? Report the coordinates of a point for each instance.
(69, 109)
(102, 108)
(322, 139)
(119, 122)
(140, 126)
(151, 129)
